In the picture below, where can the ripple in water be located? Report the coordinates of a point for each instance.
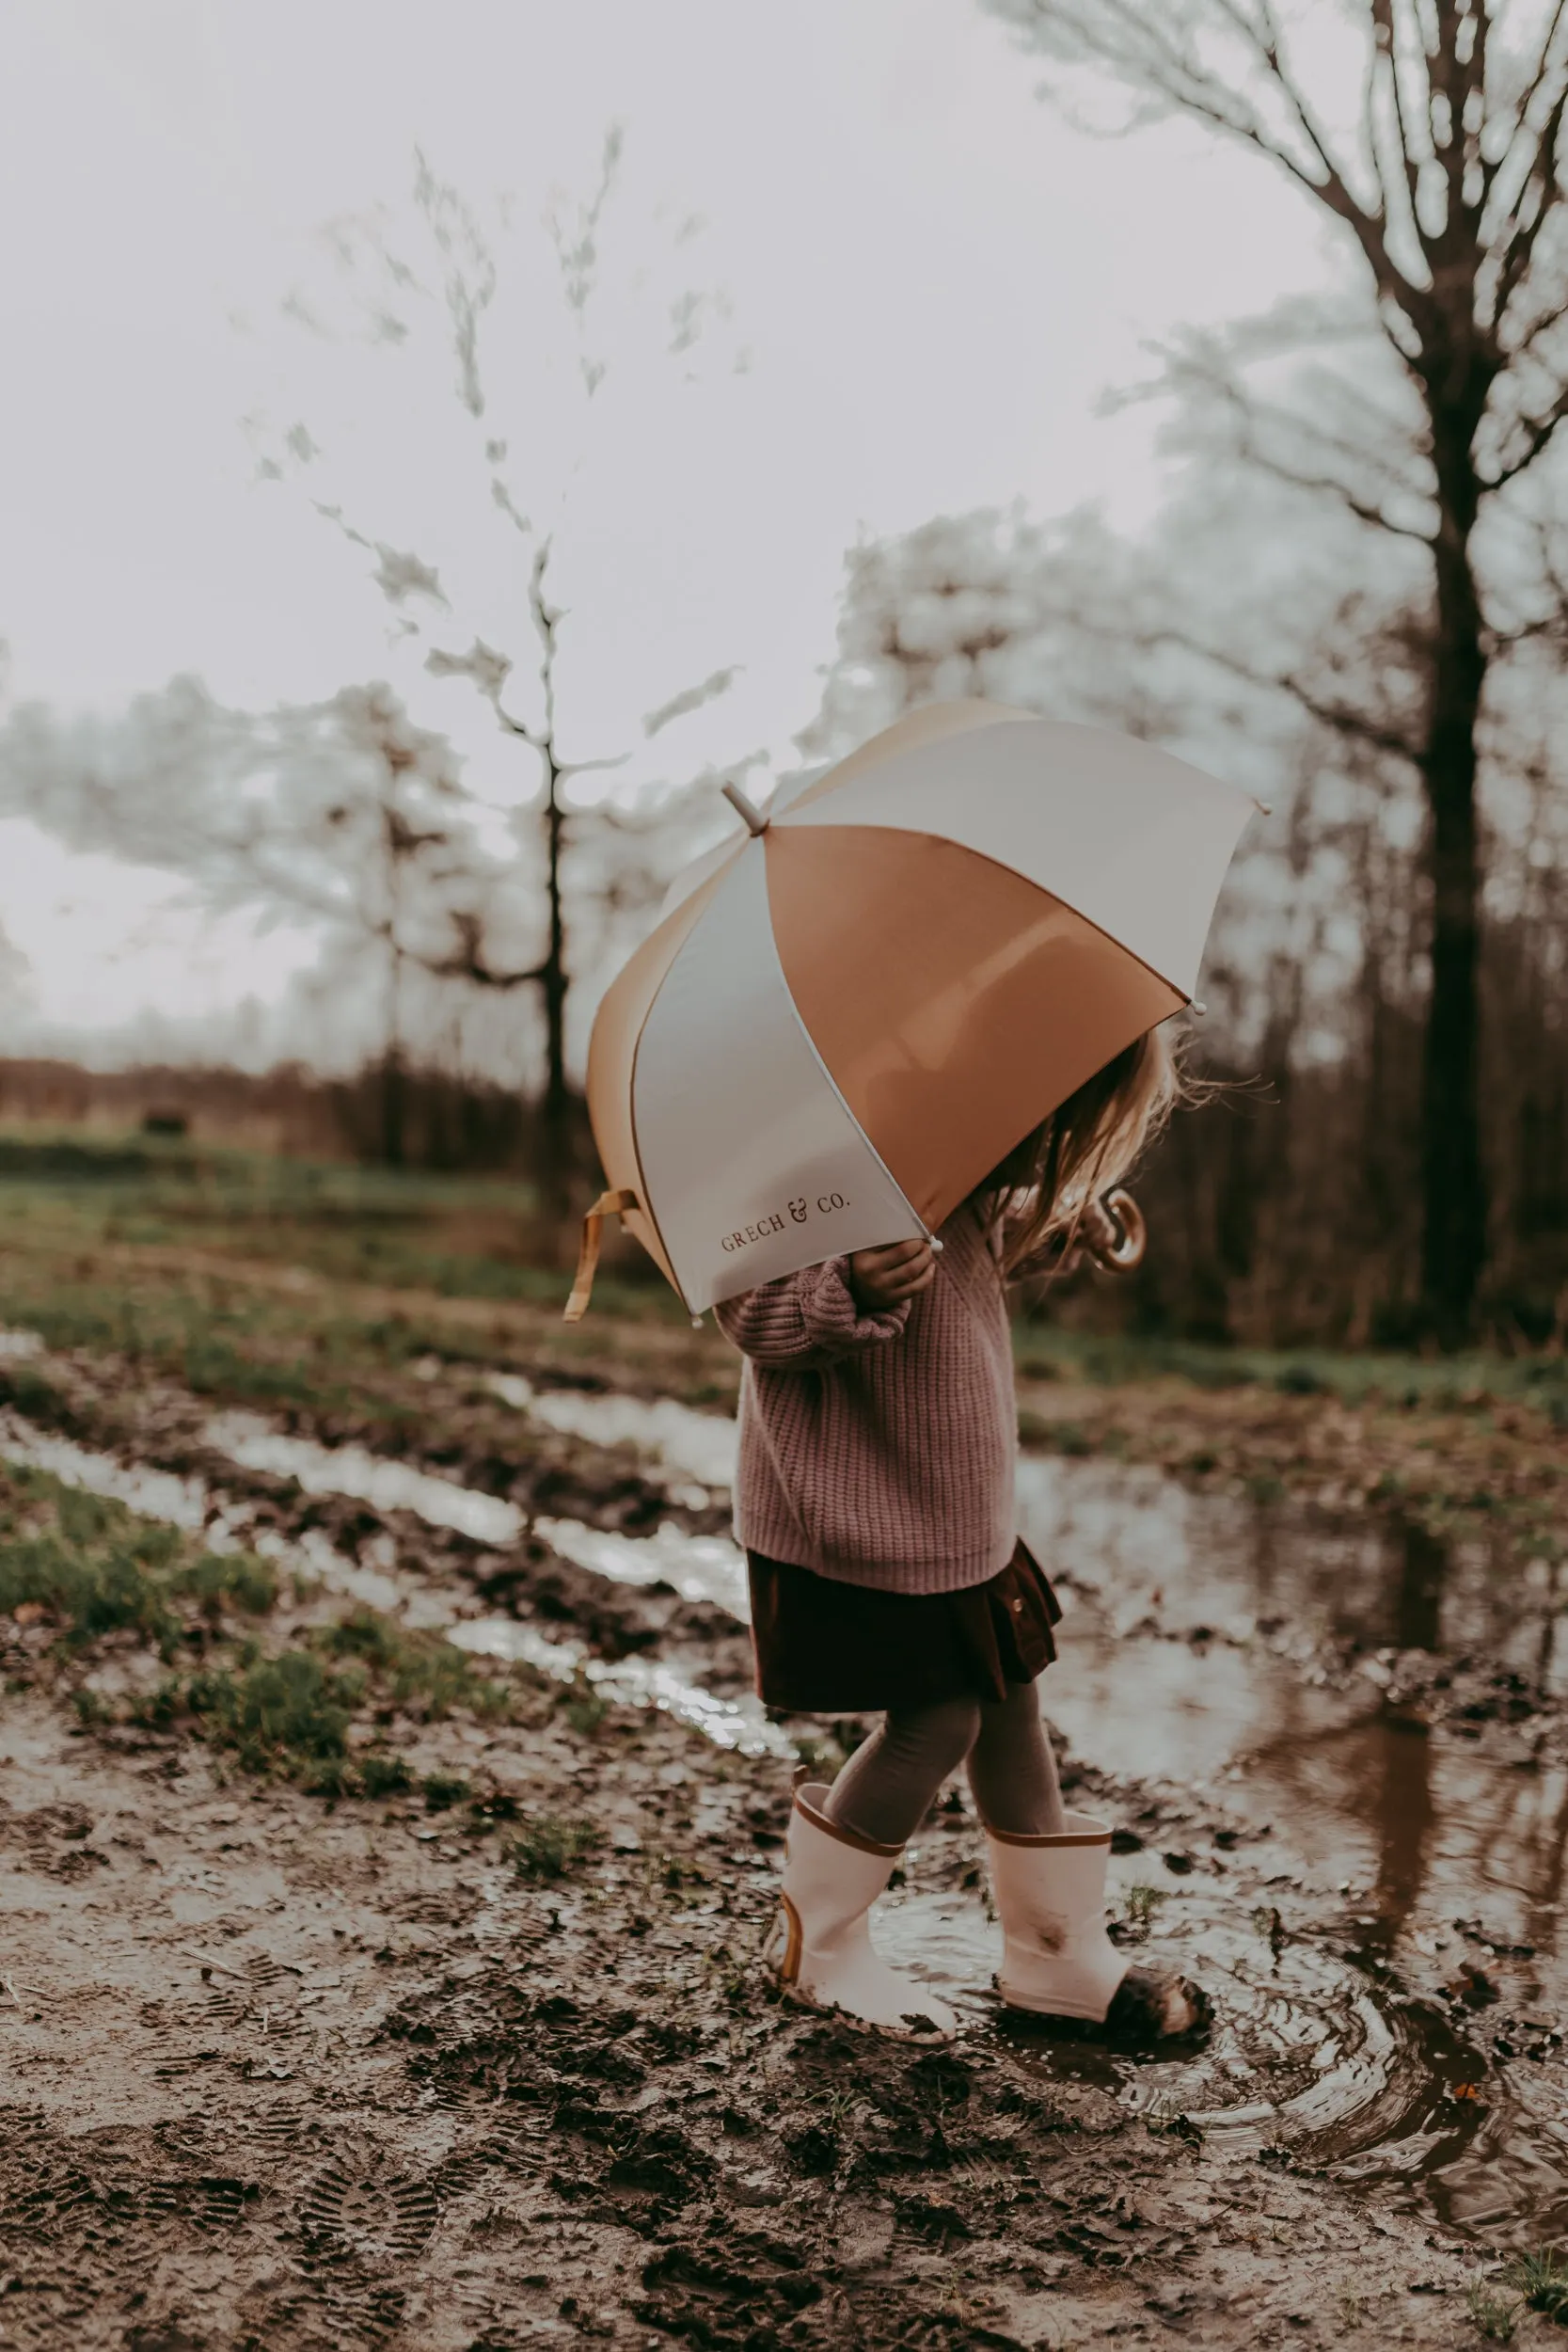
(1306, 2055)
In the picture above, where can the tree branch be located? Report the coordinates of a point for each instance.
(1362, 509)
(1537, 432)
(1135, 41)
(1336, 716)
(1537, 195)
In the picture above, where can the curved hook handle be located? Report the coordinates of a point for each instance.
(1126, 1220)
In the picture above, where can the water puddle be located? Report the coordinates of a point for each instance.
(1336, 1944)
(1309, 2054)
(700, 1447)
(738, 1723)
(699, 1567)
(352, 1470)
(225, 1525)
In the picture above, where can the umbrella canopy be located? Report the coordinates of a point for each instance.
(849, 1012)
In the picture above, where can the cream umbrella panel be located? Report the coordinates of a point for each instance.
(848, 1013)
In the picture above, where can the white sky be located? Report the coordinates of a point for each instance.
(934, 280)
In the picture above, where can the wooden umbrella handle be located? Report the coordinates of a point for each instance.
(608, 1204)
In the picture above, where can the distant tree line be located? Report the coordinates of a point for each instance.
(452, 1122)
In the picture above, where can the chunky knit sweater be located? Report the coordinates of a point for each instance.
(879, 1449)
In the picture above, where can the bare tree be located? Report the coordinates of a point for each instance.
(458, 276)
(1449, 186)
(342, 818)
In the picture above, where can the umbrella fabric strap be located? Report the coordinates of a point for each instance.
(608, 1204)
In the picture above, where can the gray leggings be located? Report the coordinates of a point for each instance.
(885, 1790)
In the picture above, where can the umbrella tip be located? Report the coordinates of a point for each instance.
(1195, 1004)
(750, 816)
(935, 1242)
(1265, 808)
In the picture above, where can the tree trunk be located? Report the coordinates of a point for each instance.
(394, 1108)
(555, 1155)
(1453, 1221)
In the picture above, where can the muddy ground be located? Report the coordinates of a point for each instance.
(501, 2067)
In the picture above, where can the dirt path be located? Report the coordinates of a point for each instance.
(285, 2073)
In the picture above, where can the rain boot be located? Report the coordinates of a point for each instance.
(825, 1957)
(1058, 1961)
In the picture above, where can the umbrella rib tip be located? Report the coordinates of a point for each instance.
(750, 816)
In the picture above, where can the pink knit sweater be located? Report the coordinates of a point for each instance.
(879, 1449)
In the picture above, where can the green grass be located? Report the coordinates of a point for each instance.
(460, 1236)
(442, 1791)
(289, 1714)
(81, 1567)
(1140, 1906)
(92, 1568)
(1495, 2316)
(549, 1848)
(420, 1673)
(65, 1197)
(286, 1714)
(1541, 2279)
(311, 1348)
(1112, 1360)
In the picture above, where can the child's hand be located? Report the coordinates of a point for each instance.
(881, 1278)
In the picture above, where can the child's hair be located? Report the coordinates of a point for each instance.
(1040, 1193)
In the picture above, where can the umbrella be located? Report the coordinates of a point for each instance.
(849, 1012)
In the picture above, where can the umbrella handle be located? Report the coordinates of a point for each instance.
(1126, 1220)
(608, 1204)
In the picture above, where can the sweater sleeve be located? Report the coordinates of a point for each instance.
(806, 1320)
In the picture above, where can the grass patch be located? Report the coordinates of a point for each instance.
(1494, 2316)
(290, 1714)
(94, 1567)
(1117, 1360)
(1140, 1906)
(458, 1236)
(442, 1791)
(1541, 2279)
(384, 1775)
(82, 1567)
(550, 1848)
(286, 1714)
(421, 1673)
(583, 1706)
(228, 1579)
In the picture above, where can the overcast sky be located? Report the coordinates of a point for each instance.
(931, 280)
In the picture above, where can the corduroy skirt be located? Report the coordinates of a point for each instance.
(824, 1648)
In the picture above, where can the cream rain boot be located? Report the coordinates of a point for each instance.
(1058, 1961)
(831, 1880)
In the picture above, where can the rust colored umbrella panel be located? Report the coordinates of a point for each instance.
(847, 1015)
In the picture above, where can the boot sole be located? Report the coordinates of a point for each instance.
(933, 2033)
(1078, 2025)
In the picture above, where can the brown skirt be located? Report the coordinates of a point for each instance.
(824, 1648)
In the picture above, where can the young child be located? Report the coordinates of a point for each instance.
(875, 1503)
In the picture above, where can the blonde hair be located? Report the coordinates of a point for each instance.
(1040, 1194)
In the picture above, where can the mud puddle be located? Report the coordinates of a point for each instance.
(1244, 1657)
(677, 1438)
(1376, 1902)
(191, 1502)
(1390, 1988)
